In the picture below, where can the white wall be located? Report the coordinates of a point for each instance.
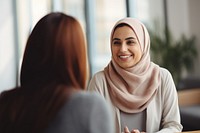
(178, 17)
(7, 54)
(183, 18)
(156, 11)
(194, 25)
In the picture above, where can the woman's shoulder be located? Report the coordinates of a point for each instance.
(9, 101)
(85, 97)
(81, 109)
(81, 103)
(98, 82)
(166, 79)
(99, 75)
(165, 73)
(9, 94)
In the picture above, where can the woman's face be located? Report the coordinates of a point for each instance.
(125, 47)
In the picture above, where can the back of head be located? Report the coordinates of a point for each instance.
(55, 52)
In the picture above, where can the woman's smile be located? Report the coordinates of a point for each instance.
(125, 48)
(125, 57)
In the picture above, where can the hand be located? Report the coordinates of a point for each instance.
(126, 130)
(136, 131)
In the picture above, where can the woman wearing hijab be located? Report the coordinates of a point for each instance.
(142, 94)
(54, 73)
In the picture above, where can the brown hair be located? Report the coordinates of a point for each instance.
(56, 51)
(54, 65)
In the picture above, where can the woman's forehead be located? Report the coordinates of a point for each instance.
(124, 31)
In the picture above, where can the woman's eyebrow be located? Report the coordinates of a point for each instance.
(117, 39)
(130, 38)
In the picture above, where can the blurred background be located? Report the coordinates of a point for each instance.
(173, 25)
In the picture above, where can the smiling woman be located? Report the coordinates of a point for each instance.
(125, 47)
(134, 86)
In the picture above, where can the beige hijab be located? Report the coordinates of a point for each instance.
(132, 89)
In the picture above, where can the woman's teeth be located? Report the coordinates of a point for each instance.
(124, 56)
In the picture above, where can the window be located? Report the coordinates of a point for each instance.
(107, 12)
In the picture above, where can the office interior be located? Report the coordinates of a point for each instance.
(97, 18)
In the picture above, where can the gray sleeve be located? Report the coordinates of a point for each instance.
(84, 112)
(101, 120)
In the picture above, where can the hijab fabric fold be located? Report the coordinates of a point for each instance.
(132, 89)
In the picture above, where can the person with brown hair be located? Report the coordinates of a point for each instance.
(142, 94)
(54, 73)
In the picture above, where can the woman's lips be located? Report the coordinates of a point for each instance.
(124, 56)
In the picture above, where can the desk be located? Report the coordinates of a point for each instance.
(197, 131)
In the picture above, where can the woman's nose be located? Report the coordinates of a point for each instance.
(123, 47)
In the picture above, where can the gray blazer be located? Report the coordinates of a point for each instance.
(84, 112)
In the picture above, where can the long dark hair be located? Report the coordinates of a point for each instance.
(55, 51)
(54, 65)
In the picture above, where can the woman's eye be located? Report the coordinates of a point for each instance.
(130, 42)
(116, 43)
